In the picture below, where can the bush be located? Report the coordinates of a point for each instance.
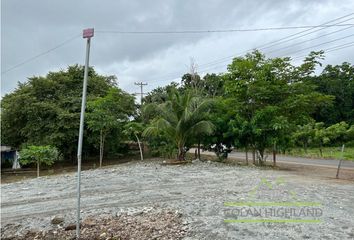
(39, 155)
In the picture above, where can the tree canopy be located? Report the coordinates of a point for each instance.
(45, 110)
(258, 104)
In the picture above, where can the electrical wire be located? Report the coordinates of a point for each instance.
(40, 54)
(225, 30)
(328, 50)
(272, 43)
(317, 45)
(309, 40)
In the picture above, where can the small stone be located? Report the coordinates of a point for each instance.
(71, 226)
(103, 235)
(89, 222)
(57, 220)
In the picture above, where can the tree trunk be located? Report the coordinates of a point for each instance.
(254, 156)
(260, 157)
(38, 168)
(180, 153)
(321, 150)
(101, 147)
(274, 154)
(199, 149)
(141, 150)
(246, 154)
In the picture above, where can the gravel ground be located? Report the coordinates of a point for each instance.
(195, 192)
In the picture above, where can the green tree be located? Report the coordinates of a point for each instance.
(109, 112)
(213, 85)
(337, 133)
(46, 155)
(45, 110)
(222, 139)
(271, 96)
(134, 132)
(180, 119)
(321, 136)
(337, 81)
(159, 94)
(304, 135)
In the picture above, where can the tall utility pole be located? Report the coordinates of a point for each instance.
(87, 33)
(141, 84)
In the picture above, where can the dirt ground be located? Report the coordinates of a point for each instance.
(197, 191)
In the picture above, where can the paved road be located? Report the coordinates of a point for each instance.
(295, 160)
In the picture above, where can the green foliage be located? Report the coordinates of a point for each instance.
(46, 110)
(258, 104)
(337, 81)
(317, 135)
(133, 129)
(39, 154)
(160, 94)
(109, 113)
(270, 98)
(180, 119)
(222, 139)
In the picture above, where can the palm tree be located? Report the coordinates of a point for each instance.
(181, 118)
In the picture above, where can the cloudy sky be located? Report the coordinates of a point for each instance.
(32, 27)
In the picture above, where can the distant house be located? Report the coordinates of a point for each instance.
(8, 156)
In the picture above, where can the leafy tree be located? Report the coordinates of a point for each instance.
(243, 135)
(39, 155)
(180, 119)
(337, 81)
(134, 131)
(46, 110)
(222, 139)
(213, 85)
(270, 97)
(191, 81)
(337, 133)
(304, 135)
(159, 94)
(321, 136)
(109, 112)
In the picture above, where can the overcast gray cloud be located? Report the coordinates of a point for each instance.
(33, 26)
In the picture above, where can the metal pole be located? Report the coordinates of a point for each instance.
(81, 133)
(141, 93)
(340, 161)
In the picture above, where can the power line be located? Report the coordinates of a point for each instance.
(274, 43)
(339, 48)
(328, 50)
(284, 39)
(317, 45)
(225, 30)
(331, 49)
(305, 33)
(318, 37)
(41, 54)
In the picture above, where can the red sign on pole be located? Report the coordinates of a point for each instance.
(88, 33)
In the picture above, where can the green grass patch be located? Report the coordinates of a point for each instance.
(327, 152)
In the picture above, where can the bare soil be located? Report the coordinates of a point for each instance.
(143, 225)
(196, 192)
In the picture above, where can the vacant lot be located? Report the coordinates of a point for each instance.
(197, 191)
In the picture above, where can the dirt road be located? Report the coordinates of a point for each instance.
(197, 190)
(333, 163)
